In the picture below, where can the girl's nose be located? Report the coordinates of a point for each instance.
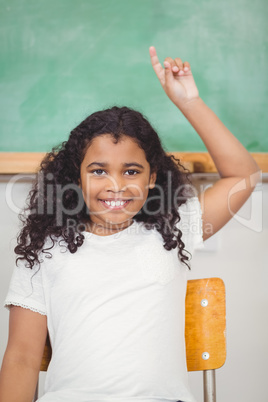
(115, 183)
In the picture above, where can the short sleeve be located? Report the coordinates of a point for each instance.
(26, 289)
(191, 224)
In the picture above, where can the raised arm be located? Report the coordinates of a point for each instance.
(238, 171)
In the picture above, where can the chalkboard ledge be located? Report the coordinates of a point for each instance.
(195, 162)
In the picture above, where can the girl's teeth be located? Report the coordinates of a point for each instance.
(115, 203)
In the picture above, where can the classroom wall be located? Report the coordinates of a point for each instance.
(237, 254)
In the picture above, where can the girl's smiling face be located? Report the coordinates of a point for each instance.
(115, 181)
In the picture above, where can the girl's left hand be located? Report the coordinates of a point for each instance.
(176, 79)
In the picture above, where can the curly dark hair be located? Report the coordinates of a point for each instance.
(61, 168)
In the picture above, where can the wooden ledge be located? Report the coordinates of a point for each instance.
(196, 162)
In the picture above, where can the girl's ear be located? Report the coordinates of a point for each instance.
(152, 180)
(79, 183)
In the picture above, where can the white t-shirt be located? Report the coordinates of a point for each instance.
(115, 314)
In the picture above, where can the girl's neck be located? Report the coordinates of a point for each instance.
(107, 230)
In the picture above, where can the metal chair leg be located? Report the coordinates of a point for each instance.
(209, 381)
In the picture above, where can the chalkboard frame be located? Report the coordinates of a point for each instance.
(195, 162)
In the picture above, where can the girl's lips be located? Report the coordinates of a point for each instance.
(115, 207)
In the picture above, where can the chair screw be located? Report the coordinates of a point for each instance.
(204, 302)
(205, 356)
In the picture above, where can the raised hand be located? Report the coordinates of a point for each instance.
(176, 79)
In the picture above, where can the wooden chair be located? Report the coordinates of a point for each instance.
(204, 332)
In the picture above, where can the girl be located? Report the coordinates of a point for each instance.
(104, 252)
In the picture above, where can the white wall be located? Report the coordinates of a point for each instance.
(238, 254)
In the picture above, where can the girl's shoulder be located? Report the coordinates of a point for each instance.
(53, 245)
(190, 223)
(190, 208)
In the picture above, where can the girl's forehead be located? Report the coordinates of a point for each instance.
(110, 140)
(104, 146)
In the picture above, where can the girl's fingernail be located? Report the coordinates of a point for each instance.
(186, 68)
(166, 64)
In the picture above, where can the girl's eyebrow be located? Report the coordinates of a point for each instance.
(103, 164)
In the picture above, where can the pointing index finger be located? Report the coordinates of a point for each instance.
(155, 62)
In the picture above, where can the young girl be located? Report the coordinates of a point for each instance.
(104, 253)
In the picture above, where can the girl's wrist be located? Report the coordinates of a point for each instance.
(190, 105)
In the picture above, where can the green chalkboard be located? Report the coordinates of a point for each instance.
(62, 60)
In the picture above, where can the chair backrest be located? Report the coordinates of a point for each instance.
(205, 330)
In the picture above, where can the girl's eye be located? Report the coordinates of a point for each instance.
(132, 172)
(98, 172)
